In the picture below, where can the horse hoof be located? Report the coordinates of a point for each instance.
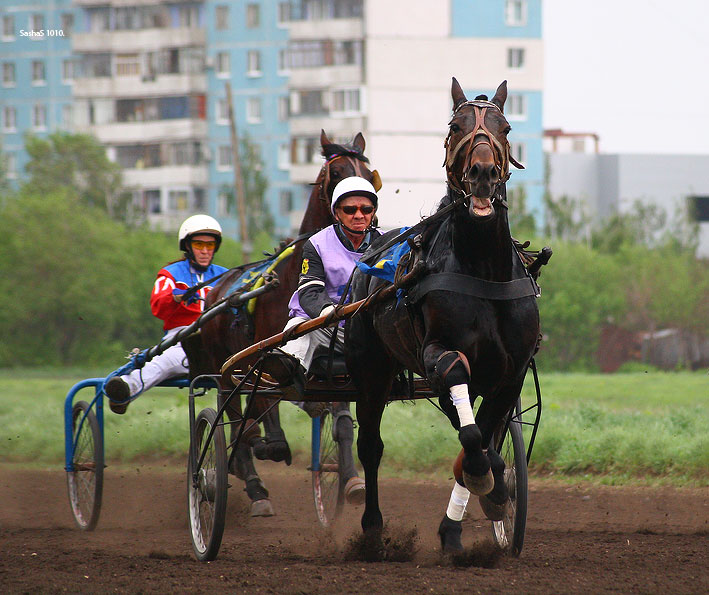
(262, 508)
(355, 491)
(494, 512)
(450, 531)
(279, 451)
(479, 485)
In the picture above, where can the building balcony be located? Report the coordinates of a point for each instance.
(320, 77)
(304, 173)
(124, 2)
(168, 175)
(136, 86)
(145, 132)
(336, 29)
(138, 40)
(340, 127)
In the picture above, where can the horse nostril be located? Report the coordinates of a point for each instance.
(474, 171)
(493, 173)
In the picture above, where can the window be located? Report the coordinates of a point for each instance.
(346, 101)
(221, 18)
(224, 157)
(253, 63)
(284, 12)
(127, 64)
(308, 53)
(38, 73)
(282, 60)
(222, 109)
(515, 57)
(188, 15)
(516, 106)
(39, 116)
(253, 110)
(9, 119)
(177, 200)
(8, 27)
(305, 150)
(515, 13)
(67, 116)
(700, 208)
(283, 156)
(68, 70)
(519, 152)
(223, 64)
(11, 165)
(283, 108)
(96, 65)
(223, 202)
(309, 102)
(151, 199)
(67, 24)
(8, 74)
(198, 201)
(36, 23)
(253, 15)
(285, 200)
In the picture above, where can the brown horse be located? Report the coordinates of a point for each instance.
(229, 333)
(470, 325)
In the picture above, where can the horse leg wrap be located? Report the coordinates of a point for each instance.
(452, 367)
(461, 400)
(477, 475)
(277, 447)
(494, 504)
(457, 503)
(450, 531)
(255, 488)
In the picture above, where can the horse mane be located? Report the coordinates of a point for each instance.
(334, 150)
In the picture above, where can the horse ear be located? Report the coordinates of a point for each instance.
(359, 142)
(324, 141)
(457, 94)
(501, 96)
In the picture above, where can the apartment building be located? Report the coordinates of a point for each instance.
(148, 77)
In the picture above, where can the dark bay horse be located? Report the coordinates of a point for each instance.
(229, 333)
(470, 325)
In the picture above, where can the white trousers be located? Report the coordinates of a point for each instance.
(304, 348)
(172, 362)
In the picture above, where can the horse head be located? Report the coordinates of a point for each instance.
(341, 161)
(477, 150)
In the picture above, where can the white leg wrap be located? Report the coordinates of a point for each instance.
(458, 502)
(461, 400)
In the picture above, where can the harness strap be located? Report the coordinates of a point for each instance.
(475, 287)
(460, 357)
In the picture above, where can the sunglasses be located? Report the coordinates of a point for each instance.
(352, 209)
(201, 245)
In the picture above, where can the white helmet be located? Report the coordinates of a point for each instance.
(198, 224)
(353, 186)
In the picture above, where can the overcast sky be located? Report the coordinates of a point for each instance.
(634, 71)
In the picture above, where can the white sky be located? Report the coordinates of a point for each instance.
(636, 72)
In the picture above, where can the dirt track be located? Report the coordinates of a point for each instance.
(579, 540)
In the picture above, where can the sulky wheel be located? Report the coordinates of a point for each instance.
(328, 490)
(207, 487)
(85, 481)
(509, 532)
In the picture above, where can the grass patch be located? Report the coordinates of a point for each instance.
(635, 427)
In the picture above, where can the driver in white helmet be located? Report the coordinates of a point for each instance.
(199, 239)
(329, 257)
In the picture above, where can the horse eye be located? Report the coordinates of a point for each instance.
(507, 129)
(455, 128)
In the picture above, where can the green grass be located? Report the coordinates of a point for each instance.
(641, 427)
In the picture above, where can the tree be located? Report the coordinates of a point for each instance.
(78, 162)
(522, 222)
(259, 218)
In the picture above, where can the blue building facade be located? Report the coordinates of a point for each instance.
(37, 69)
(519, 23)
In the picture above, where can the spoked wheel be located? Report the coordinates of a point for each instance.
(328, 490)
(509, 532)
(85, 482)
(207, 489)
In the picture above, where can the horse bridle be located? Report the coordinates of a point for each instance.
(500, 151)
(359, 171)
